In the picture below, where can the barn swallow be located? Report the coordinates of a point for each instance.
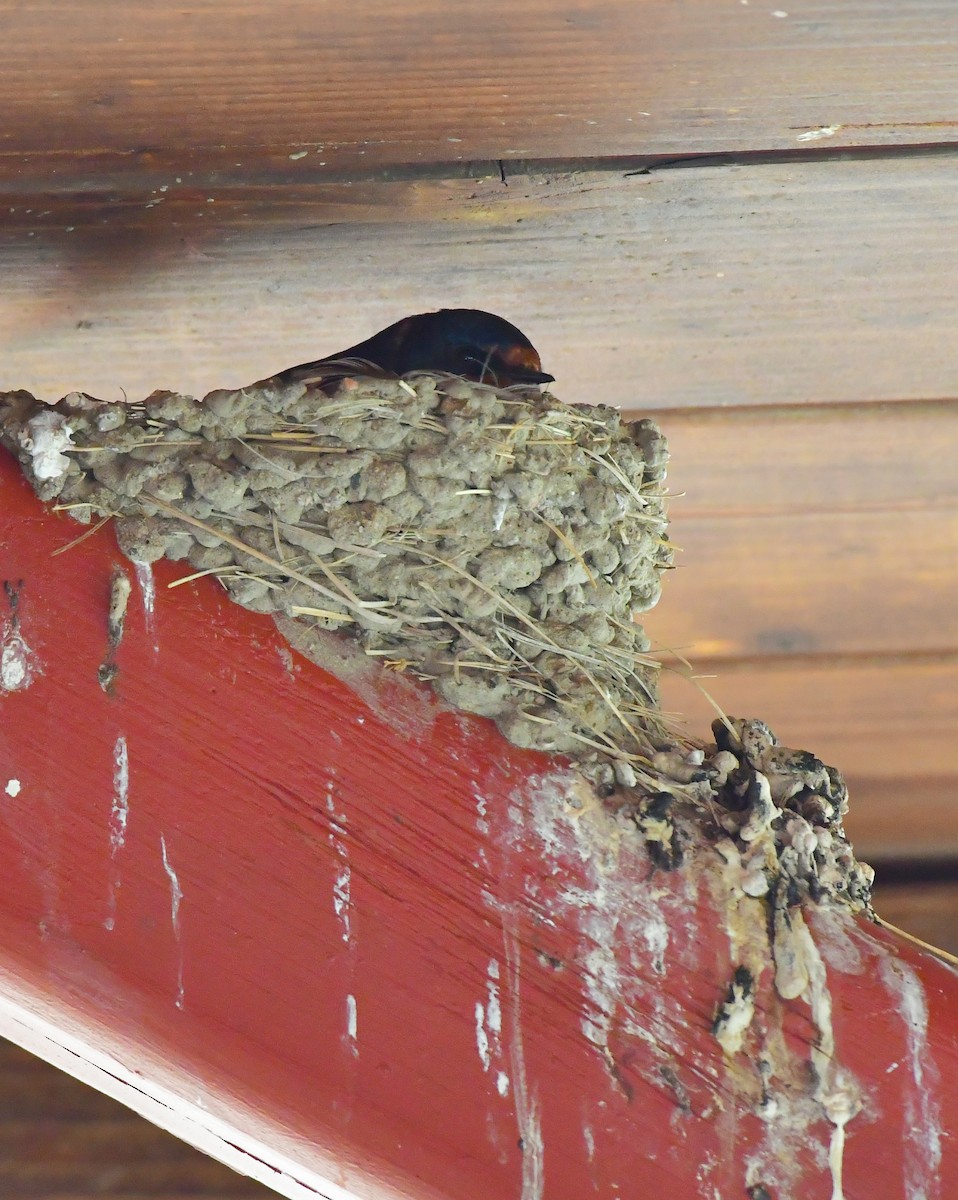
(467, 342)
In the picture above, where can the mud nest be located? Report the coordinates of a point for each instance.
(497, 542)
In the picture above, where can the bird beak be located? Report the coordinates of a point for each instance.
(533, 377)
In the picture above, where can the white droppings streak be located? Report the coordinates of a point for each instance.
(482, 1038)
(18, 663)
(921, 1128)
(176, 897)
(489, 1028)
(836, 1091)
(352, 1025)
(815, 135)
(120, 810)
(527, 1107)
(494, 1006)
(144, 577)
(119, 816)
(655, 933)
(13, 787)
(44, 438)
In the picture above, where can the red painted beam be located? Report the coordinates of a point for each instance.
(360, 945)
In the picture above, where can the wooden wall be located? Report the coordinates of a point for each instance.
(61, 1140)
(735, 215)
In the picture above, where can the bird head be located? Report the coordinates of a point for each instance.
(474, 344)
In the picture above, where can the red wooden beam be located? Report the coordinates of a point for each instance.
(357, 944)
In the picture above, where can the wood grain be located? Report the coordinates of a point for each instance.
(816, 583)
(928, 910)
(811, 459)
(61, 1140)
(205, 949)
(909, 820)
(363, 86)
(881, 719)
(764, 285)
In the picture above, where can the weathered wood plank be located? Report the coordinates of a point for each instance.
(881, 719)
(928, 910)
(815, 583)
(914, 817)
(255, 84)
(715, 286)
(811, 459)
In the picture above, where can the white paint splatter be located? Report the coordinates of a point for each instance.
(527, 1107)
(176, 898)
(144, 577)
(352, 1025)
(18, 664)
(13, 787)
(44, 437)
(921, 1127)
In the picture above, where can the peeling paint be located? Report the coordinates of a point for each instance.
(352, 1025)
(921, 1127)
(13, 788)
(342, 884)
(482, 825)
(176, 898)
(341, 899)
